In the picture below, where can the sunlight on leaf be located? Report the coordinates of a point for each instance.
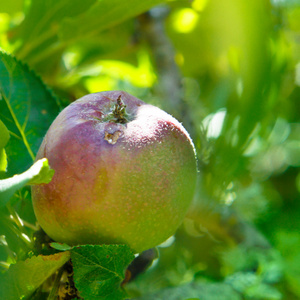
(4, 134)
(39, 173)
(140, 76)
(60, 246)
(3, 160)
(185, 20)
(213, 123)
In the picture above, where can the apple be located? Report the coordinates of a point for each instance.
(125, 173)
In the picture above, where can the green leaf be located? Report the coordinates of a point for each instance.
(3, 160)
(49, 25)
(39, 173)
(27, 108)
(102, 15)
(4, 137)
(41, 14)
(60, 246)
(195, 290)
(99, 270)
(24, 277)
(43, 172)
(4, 134)
(41, 24)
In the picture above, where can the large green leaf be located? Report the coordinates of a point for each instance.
(99, 270)
(23, 278)
(50, 26)
(39, 173)
(102, 15)
(41, 24)
(27, 108)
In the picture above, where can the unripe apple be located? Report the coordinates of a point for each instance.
(125, 172)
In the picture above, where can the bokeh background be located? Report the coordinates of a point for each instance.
(229, 70)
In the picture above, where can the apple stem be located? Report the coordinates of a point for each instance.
(119, 111)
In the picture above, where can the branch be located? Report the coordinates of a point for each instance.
(169, 87)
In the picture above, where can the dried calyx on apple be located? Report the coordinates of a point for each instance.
(125, 172)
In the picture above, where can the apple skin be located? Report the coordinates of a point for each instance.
(115, 183)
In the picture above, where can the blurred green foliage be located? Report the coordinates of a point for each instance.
(239, 63)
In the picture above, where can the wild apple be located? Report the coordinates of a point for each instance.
(125, 172)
